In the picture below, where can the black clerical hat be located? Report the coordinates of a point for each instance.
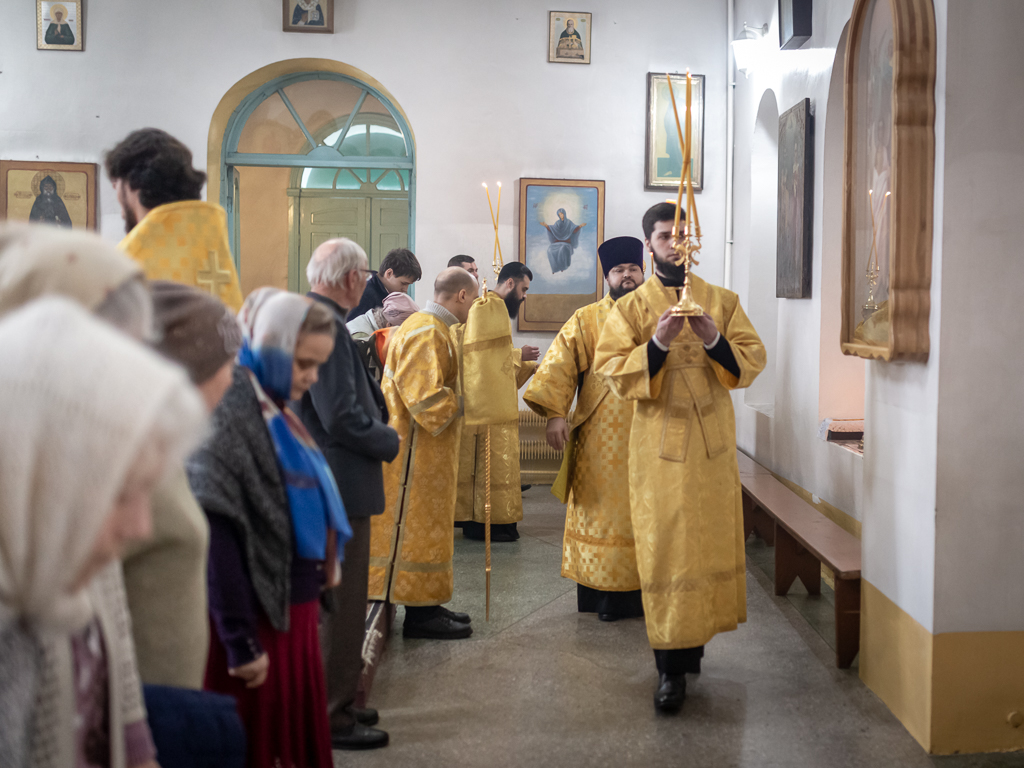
(620, 250)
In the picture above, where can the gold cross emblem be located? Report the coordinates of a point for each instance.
(213, 276)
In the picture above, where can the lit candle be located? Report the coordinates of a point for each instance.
(682, 148)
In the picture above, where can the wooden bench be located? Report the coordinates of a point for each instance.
(804, 539)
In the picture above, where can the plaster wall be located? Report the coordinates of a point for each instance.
(473, 78)
(980, 529)
(891, 489)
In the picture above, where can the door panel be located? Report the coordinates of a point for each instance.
(389, 228)
(324, 218)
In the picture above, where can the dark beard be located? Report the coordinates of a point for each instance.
(670, 273)
(618, 293)
(130, 221)
(512, 304)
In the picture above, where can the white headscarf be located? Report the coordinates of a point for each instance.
(79, 400)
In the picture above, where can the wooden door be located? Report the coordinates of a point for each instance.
(389, 227)
(324, 218)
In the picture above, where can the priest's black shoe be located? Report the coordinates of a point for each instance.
(368, 716)
(670, 694)
(359, 736)
(440, 627)
(500, 532)
(608, 616)
(462, 618)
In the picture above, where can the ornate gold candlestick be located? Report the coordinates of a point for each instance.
(685, 242)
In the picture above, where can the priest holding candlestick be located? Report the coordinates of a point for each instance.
(678, 360)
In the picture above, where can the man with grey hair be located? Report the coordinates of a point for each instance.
(346, 413)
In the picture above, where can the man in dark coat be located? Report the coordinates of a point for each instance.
(397, 272)
(346, 414)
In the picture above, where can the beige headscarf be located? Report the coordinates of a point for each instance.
(38, 260)
(80, 400)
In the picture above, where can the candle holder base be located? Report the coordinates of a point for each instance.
(686, 306)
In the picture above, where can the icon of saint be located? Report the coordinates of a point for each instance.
(564, 237)
(307, 13)
(48, 208)
(59, 32)
(570, 44)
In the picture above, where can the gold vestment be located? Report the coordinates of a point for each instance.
(598, 549)
(684, 480)
(411, 543)
(187, 242)
(506, 484)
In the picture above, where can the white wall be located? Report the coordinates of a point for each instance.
(891, 490)
(980, 528)
(473, 78)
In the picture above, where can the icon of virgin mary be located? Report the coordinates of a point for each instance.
(564, 237)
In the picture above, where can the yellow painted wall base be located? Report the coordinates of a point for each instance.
(896, 661)
(955, 692)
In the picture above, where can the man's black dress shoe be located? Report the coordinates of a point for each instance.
(524, 488)
(368, 716)
(670, 694)
(462, 618)
(440, 627)
(608, 616)
(359, 736)
(500, 532)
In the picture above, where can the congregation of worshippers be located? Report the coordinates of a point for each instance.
(203, 492)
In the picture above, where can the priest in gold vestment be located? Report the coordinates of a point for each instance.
(172, 234)
(411, 543)
(598, 551)
(506, 489)
(684, 479)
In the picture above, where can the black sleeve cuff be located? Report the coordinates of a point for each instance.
(656, 357)
(722, 354)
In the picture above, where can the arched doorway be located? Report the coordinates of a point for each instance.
(307, 155)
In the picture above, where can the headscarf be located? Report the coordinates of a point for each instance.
(398, 307)
(81, 400)
(271, 320)
(195, 329)
(37, 260)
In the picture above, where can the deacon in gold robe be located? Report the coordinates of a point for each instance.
(411, 543)
(684, 481)
(597, 550)
(506, 483)
(172, 234)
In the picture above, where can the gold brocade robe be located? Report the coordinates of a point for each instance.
(684, 480)
(187, 242)
(598, 549)
(411, 543)
(506, 483)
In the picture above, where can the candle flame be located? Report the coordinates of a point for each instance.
(499, 183)
(888, 193)
(484, 185)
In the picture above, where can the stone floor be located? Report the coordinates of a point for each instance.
(541, 685)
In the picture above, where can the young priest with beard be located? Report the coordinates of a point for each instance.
(598, 551)
(683, 477)
(506, 490)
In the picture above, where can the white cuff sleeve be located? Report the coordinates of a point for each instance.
(718, 337)
(658, 344)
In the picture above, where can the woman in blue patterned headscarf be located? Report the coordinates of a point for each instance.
(277, 526)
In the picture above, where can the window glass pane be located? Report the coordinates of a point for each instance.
(318, 178)
(322, 103)
(405, 178)
(347, 180)
(390, 182)
(272, 129)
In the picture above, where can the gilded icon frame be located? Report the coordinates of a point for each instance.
(46, 35)
(661, 105)
(12, 189)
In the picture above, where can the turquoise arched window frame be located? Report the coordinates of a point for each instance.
(321, 156)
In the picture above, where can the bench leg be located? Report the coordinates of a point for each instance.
(757, 521)
(792, 561)
(847, 621)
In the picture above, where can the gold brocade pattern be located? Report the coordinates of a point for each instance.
(598, 550)
(506, 480)
(411, 543)
(187, 242)
(684, 481)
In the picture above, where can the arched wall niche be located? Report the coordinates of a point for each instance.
(841, 377)
(762, 305)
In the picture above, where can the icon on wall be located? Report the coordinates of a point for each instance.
(569, 37)
(308, 16)
(59, 25)
(59, 194)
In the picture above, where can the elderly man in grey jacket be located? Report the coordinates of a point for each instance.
(346, 414)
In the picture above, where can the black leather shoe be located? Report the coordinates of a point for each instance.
(500, 532)
(360, 736)
(440, 627)
(462, 618)
(366, 716)
(524, 488)
(670, 694)
(608, 616)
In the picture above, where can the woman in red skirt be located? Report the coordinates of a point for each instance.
(276, 522)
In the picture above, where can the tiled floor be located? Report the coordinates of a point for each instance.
(541, 685)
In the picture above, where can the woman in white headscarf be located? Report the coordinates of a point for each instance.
(90, 420)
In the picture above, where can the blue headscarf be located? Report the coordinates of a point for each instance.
(271, 320)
